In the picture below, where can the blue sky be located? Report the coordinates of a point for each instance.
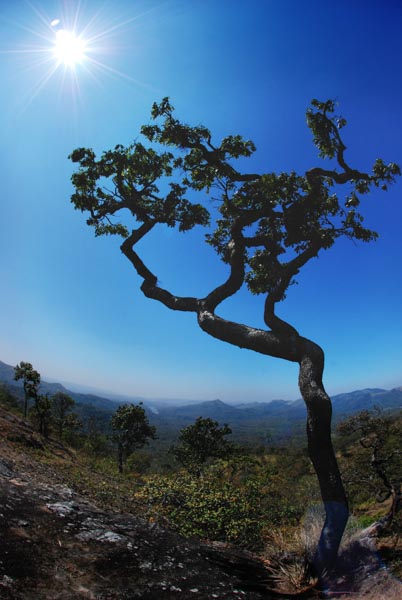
(71, 304)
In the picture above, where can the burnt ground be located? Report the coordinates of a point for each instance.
(55, 544)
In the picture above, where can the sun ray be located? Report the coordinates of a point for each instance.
(118, 26)
(119, 74)
(41, 16)
(35, 91)
(62, 49)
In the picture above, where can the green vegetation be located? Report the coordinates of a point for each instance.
(237, 500)
(258, 498)
(131, 430)
(372, 462)
(201, 442)
(31, 380)
(43, 413)
(9, 400)
(63, 417)
(47, 413)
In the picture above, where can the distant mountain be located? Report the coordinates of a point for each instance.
(88, 393)
(272, 422)
(352, 402)
(7, 377)
(343, 404)
(215, 409)
(263, 421)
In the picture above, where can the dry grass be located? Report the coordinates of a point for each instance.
(360, 574)
(288, 561)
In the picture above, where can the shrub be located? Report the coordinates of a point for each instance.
(212, 506)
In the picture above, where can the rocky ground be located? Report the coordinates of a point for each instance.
(56, 544)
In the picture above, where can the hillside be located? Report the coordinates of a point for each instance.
(7, 377)
(57, 543)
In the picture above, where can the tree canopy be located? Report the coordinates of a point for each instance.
(131, 430)
(270, 224)
(64, 418)
(203, 440)
(31, 381)
(375, 463)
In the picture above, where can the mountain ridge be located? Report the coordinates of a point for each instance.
(272, 420)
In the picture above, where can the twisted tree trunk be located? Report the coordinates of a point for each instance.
(281, 341)
(321, 452)
(285, 342)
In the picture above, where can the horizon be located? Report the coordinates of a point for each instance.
(110, 395)
(71, 304)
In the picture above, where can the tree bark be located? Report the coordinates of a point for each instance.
(120, 458)
(321, 452)
(286, 343)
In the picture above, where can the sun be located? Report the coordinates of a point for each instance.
(69, 49)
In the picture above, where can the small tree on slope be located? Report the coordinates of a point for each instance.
(131, 430)
(200, 442)
(64, 418)
(375, 463)
(269, 227)
(31, 381)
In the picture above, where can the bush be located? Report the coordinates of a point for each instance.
(9, 400)
(238, 510)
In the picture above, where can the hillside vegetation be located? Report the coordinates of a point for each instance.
(274, 423)
(259, 499)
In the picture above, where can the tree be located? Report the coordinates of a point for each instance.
(43, 413)
(201, 441)
(269, 227)
(62, 405)
(96, 440)
(131, 430)
(71, 429)
(31, 381)
(378, 465)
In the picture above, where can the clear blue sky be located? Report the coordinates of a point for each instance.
(71, 304)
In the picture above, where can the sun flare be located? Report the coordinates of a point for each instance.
(69, 49)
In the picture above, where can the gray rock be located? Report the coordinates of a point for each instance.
(6, 469)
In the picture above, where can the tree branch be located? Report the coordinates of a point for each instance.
(182, 303)
(348, 175)
(150, 286)
(237, 272)
(291, 269)
(243, 336)
(127, 249)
